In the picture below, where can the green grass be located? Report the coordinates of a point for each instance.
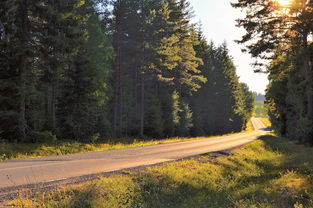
(249, 127)
(271, 172)
(266, 122)
(10, 151)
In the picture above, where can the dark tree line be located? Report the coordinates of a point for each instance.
(283, 35)
(78, 69)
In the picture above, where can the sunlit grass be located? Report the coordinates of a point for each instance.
(271, 172)
(266, 122)
(284, 2)
(24, 151)
(249, 127)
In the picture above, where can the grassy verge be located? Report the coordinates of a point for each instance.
(266, 122)
(24, 151)
(271, 172)
(249, 127)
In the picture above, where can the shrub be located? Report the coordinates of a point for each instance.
(43, 137)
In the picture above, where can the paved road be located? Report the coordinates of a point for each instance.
(258, 124)
(48, 169)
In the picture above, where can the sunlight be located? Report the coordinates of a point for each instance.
(283, 2)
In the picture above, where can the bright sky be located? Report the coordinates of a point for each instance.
(218, 21)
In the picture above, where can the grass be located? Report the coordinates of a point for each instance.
(249, 127)
(266, 122)
(9, 151)
(269, 173)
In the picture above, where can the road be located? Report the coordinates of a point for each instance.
(40, 170)
(257, 124)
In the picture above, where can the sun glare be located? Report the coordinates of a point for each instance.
(284, 2)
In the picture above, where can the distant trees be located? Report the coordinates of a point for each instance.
(77, 70)
(222, 104)
(260, 109)
(283, 35)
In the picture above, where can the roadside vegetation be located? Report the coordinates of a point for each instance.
(266, 122)
(249, 127)
(271, 172)
(260, 109)
(23, 151)
(11, 151)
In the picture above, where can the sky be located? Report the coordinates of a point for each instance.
(218, 23)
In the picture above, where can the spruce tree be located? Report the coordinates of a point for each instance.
(273, 30)
(17, 51)
(83, 102)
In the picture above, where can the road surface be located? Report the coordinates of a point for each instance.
(40, 170)
(258, 124)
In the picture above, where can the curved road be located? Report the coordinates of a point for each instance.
(40, 170)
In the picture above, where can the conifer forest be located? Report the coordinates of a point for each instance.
(89, 69)
(141, 104)
(281, 32)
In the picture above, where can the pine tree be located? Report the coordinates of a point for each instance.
(17, 50)
(249, 103)
(84, 98)
(59, 41)
(219, 106)
(128, 45)
(271, 33)
(185, 120)
(179, 63)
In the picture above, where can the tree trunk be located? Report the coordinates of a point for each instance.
(50, 106)
(115, 113)
(137, 98)
(23, 70)
(53, 106)
(309, 89)
(22, 120)
(121, 105)
(309, 82)
(142, 105)
(47, 106)
(142, 76)
(309, 77)
(117, 87)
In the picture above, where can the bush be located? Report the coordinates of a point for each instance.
(43, 137)
(3, 157)
(305, 130)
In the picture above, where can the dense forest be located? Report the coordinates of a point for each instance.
(90, 69)
(283, 35)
